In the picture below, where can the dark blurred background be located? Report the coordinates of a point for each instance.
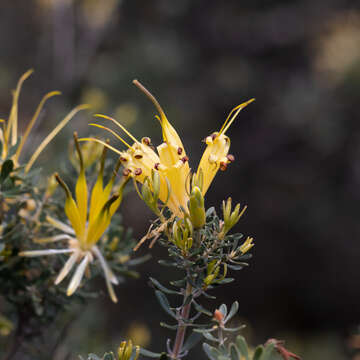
(297, 147)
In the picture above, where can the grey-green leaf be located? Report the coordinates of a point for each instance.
(223, 309)
(192, 341)
(242, 346)
(164, 303)
(163, 288)
(211, 352)
(267, 352)
(234, 309)
(258, 353)
(149, 353)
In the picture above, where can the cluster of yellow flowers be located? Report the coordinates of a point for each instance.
(165, 172)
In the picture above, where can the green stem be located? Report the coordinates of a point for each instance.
(180, 334)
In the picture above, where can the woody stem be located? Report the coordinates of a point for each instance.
(180, 334)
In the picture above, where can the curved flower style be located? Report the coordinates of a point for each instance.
(9, 137)
(87, 226)
(171, 160)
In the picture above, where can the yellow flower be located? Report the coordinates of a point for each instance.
(171, 160)
(9, 136)
(89, 220)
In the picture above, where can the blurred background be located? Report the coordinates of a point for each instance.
(297, 147)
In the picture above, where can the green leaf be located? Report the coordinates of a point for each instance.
(192, 341)
(201, 309)
(6, 168)
(178, 283)
(167, 263)
(234, 354)
(242, 346)
(222, 357)
(258, 353)
(235, 329)
(210, 337)
(109, 356)
(211, 352)
(210, 211)
(223, 309)
(267, 352)
(225, 281)
(202, 331)
(163, 288)
(171, 327)
(165, 303)
(149, 353)
(234, 309)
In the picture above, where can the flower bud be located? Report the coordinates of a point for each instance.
(218, 315)
(182, 234)
(125, 351)
(150, 191)
(247, 245)
(231, 218)
(197, 208)
(52, 184)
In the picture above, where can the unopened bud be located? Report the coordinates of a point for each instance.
(197, 208)
(51, 186)
(218, 315)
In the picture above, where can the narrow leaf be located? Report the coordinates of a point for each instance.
(201, 309)
(165, 303)
(242, 346)
(234, 354)
(258, 352)
(149, 353)
(211, 352)
(167, 326)
(233, 311)
(192, 341)
(223, 309)
(163, 288)
(267, 352)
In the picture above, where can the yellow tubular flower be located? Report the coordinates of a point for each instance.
(170, 160)
(9, 136)
(88, 224)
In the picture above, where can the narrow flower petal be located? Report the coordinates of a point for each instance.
(96, 202)
(109, 275)
(72, 211)
(60, 225)
(105, 266)
(67, 267)
(81, 190)
(77, 277)
(52, 239)
(12, 124)
(33, 120)
(33, 253)
(169, 133)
